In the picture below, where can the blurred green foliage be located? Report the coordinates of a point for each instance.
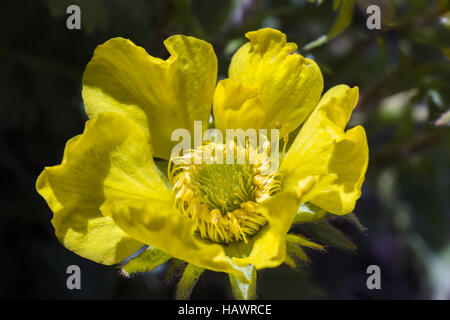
(403, 73)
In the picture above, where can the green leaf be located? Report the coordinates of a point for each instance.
(344, 18)
(295, 255)
(351, 217)
(317, 43)
(302, 241)
(341, 23)
(336, 4)
(188, 280)
(173, 266)
(243, 291)
(290, 261)
(146, 261)
(309, 213)
(329, 235)
(295, 250)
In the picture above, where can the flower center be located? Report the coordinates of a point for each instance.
(223, 199)
(223, 186)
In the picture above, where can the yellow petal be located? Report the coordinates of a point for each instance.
(232, 101)
(323, 149)
(160, 225)
(110, 160)
(159, 95)
(349, 164)
(267, 248)
(268, 83)
(269, 244)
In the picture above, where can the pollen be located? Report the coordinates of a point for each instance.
(223, 198)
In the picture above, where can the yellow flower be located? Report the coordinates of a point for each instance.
(109, 198)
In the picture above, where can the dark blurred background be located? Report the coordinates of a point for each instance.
(402, 71)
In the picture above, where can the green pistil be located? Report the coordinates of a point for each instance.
(224, 186)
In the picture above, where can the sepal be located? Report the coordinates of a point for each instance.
(244, 291)
(188, 281)
(148, 260)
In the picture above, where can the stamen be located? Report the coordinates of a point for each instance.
(222, 199)
(285, 141)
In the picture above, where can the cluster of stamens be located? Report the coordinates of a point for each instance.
(223, 198)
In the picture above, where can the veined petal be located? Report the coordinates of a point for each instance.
(269, 80)
(159, 95)
(160, 225)
(110, 160)
(322, 148)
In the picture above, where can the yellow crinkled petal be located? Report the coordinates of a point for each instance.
(110, 160)
(268, 83)
(349, 164)
(232, 101)
(323, 148)
(162, 226)
(159, 95)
